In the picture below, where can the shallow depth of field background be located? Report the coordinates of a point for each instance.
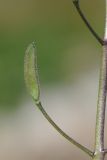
(68, 63)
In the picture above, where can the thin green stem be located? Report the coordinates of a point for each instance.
(62, 132)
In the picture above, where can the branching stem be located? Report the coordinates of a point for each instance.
(62, 132)
(100, 152)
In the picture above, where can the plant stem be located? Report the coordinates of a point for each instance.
(101, 105)
(105, 37)
(39, 105)
(76, 3)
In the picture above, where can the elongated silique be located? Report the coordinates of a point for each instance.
(31, 72)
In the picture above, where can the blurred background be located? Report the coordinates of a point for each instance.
(68, 62)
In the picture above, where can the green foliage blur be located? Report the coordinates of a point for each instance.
(65, 46)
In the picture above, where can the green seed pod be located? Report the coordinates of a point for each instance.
(31, 72)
